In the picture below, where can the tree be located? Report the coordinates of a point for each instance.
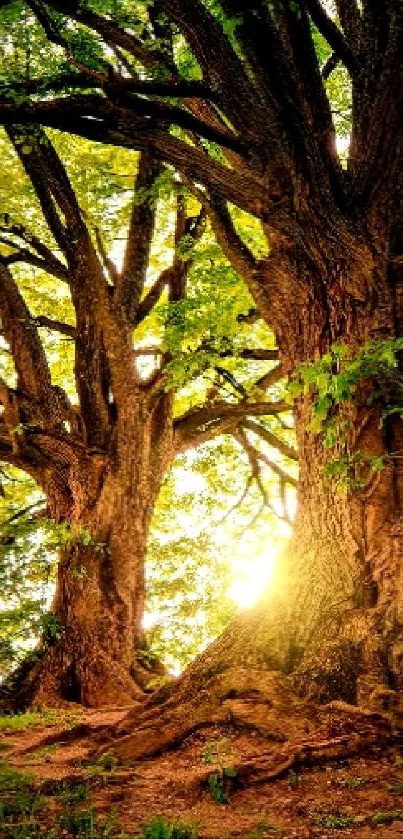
(244, 107)
(99, 444)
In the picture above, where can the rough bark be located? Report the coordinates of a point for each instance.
(95, 653)
(330, 629)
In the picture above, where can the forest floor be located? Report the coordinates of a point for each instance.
(52, 786)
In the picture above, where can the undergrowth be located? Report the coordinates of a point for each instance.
(158, 828)
(25, 813)
(46, 718)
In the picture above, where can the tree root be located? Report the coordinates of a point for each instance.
(274, 765)
(297, 733)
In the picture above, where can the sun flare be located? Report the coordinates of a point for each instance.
(253, 571)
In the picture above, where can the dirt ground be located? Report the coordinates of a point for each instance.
(360, 797)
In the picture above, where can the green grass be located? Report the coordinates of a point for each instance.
(45, 718)
(334, 821)
(158, 828)
(387, 817)
(70, 794)
(106, 762)
(20, 802)
(12, 781)
(397, 787)
(352, 781)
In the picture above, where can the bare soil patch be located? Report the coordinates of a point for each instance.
(357, 797)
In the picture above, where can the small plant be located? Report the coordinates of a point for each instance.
(396, 788)
(158, 828)
(71, 794)
(106, 762)
(214, 750)
(339, 379)
(334, 821)
(80, 824)
(387, 817)
(352, 782)
(218, 786)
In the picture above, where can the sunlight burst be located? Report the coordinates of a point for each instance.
(253, 572)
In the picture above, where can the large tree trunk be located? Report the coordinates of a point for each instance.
(331, 625)
(94, 650)
(99, 603)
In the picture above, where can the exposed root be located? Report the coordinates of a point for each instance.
(297, 732)
(245, 698)
(367, 732)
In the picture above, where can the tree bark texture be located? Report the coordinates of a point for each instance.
(93, 655)
(330, 628)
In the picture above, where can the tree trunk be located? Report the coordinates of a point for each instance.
(96, 632)
(94, 652)
(331, 626)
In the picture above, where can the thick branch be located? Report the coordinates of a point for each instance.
(22, 336)
(231, 243)
(270, 438)
(222, 69)
(201, 424)
(350, 19)
(56, 326)
(153, 295)
(332, 34)
(50, 181)
(97, 119)
(140, 235)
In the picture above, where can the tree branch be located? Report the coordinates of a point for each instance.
(51, 263)
(50, 181)
(236, 251)
(270, 438)
(56, 326)
(24, 255)
(139, 238)
(201, 424)
(22, 336)
(153, 295)
(94, 118)
(332, 34)
(350, 19)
